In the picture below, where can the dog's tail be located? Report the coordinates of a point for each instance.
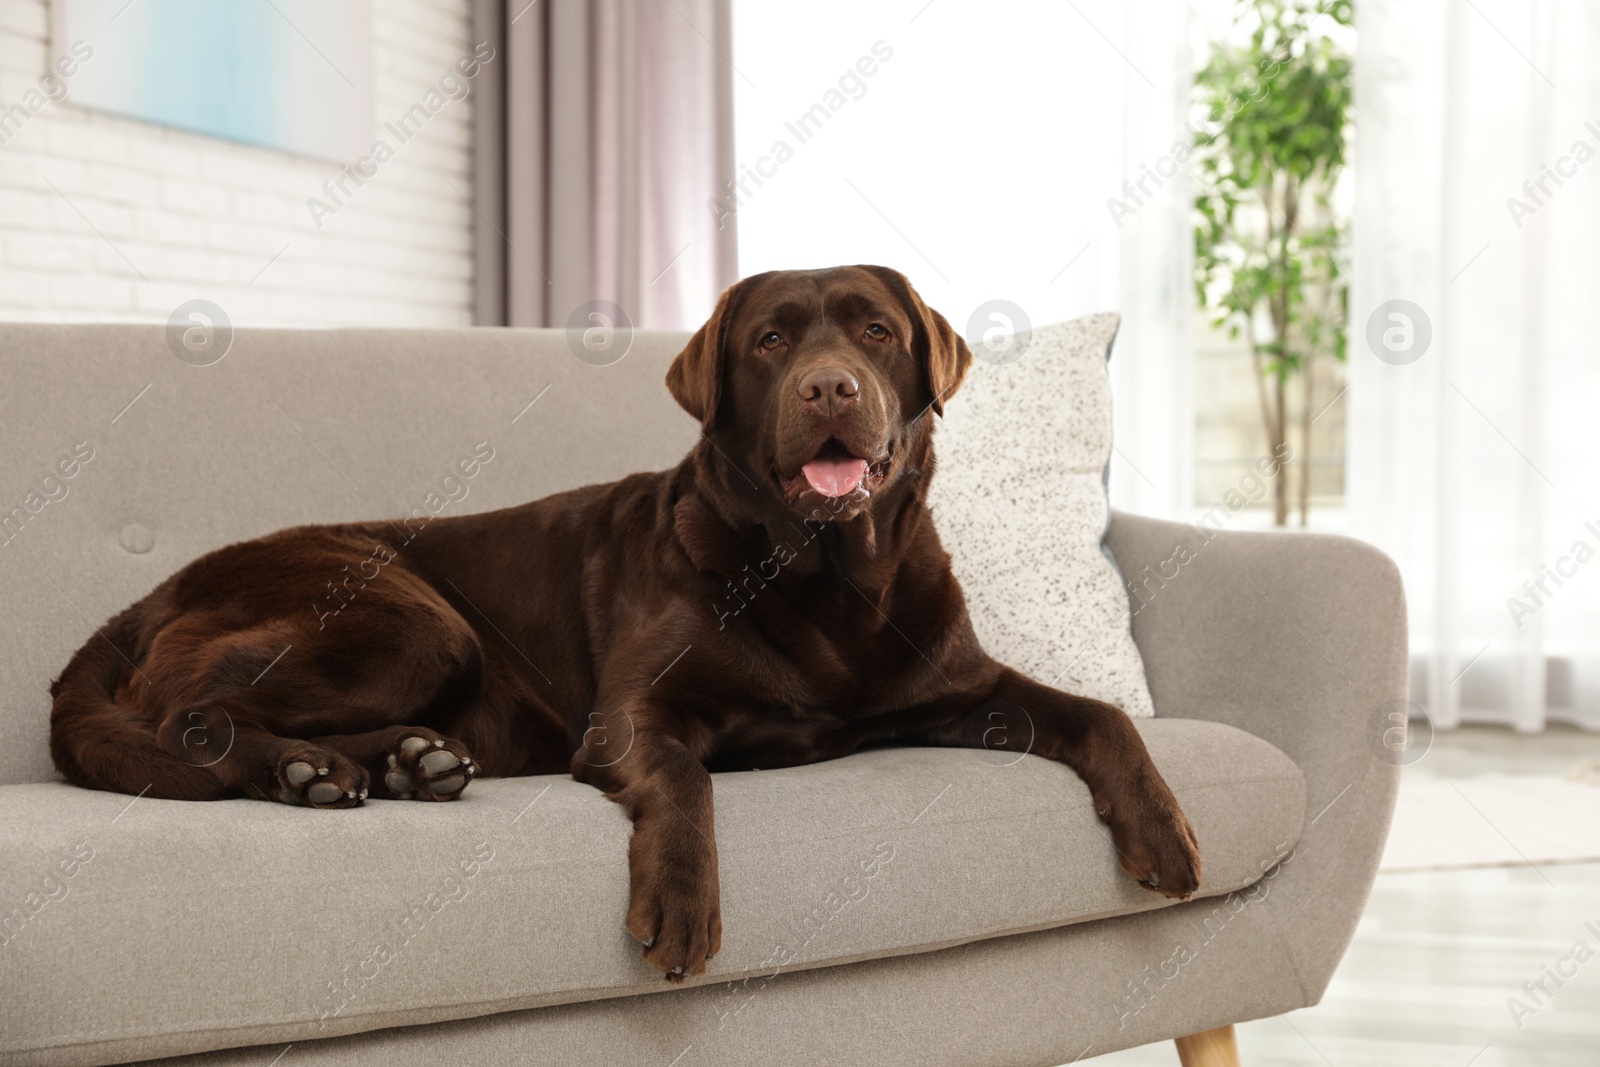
(99, 744)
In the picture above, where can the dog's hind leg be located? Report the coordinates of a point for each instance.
(250, 759)
(215, 706)
(98, 744)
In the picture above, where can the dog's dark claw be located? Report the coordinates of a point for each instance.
(649, 942)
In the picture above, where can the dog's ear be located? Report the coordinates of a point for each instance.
(942, 353)
(948, 358)
(695, 377)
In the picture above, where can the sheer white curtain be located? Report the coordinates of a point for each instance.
(1475, 463)
(976, 147)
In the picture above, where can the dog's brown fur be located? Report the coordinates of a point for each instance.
(717, 616)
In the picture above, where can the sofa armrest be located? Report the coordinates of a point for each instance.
(1299, 639)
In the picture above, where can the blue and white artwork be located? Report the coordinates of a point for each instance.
(289, 74)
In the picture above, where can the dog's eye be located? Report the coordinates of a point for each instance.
(877, 332)
(770, 341)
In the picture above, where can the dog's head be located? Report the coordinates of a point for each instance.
(819, 383)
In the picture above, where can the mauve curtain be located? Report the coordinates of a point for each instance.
(611, 129)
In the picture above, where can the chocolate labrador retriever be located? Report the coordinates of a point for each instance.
(780, 597)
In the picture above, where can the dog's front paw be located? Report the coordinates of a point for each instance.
(1154, 840)
(676, 915)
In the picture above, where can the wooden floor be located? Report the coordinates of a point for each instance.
(1439, 953)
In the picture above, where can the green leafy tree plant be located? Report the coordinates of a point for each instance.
(1272, 142)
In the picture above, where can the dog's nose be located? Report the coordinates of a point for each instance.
(829, 391)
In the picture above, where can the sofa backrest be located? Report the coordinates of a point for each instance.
(120, 462)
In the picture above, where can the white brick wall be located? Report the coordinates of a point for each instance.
(201, 217)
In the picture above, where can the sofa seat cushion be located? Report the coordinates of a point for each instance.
(135, 927)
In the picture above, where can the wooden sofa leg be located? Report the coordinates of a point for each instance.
(1210, 1048)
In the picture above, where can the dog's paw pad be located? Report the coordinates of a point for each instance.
(426, 766)
(320, 778)
(439, 761)
(325, 793)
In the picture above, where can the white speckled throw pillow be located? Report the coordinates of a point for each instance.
(1020, 503)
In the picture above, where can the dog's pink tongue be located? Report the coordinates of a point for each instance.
(835, 477)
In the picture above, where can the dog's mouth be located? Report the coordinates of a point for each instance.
(835, 473)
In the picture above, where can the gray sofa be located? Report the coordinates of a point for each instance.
(905, 906)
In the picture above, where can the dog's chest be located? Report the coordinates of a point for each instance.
(826, 652)
(820, 679)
